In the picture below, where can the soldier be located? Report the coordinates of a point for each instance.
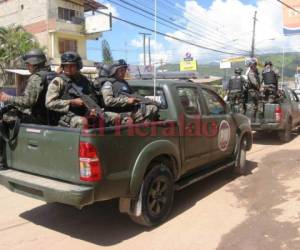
(31, 106)
(71, 110)
(270, 78)
(115, 101)
(236, 87)
(253, 88)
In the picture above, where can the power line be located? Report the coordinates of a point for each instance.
(290, 7)
(197, 19)
(170, 36)
(183, 29)
(211, 32)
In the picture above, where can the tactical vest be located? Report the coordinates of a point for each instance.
(269, 77)
(39, 110)
(118, 87)
(236, 83)
(82, 82)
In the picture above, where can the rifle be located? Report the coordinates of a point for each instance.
(90, 105)
(142, 100)
(87, 100)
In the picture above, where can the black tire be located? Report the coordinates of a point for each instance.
(286, 134)
(240, 166)
(157, 196)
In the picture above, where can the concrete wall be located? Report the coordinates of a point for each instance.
(23, 12)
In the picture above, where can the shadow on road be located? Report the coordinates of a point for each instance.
(103, 224)
(271, 138)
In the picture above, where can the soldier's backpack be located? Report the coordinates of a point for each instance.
(39, 110)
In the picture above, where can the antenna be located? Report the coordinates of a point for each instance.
(155, 45)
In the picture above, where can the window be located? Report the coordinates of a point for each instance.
(149, 93)
(66, 14)
(215, 104)
(67, 45)
(189, 100)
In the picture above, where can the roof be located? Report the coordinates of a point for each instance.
(23, 72)
(150, 83)
(92, 5)
(207, 80)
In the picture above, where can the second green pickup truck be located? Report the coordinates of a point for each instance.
(140, 164)
(281, 117)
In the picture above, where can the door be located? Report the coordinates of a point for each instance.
(221, 126)
(195, 148)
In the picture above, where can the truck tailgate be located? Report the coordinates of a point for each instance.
(269, 112)
(46, 151)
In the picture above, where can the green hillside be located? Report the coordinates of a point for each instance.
(292, 60)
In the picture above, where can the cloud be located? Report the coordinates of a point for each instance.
(159, 54)
(227, 25)
(110, 9)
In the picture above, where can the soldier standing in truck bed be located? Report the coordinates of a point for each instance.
(270, 78)
(236, 88)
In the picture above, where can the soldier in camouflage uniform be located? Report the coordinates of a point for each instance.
(236, 88)
(71, 110)
(270, 78)
(31, 106)
(253, 89)
(115, 101)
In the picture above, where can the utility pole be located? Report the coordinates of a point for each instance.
(144, 45)
(253, 35)
(149, 50)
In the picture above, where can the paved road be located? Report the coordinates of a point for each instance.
(257, 211)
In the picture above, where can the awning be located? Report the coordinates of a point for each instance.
(92, 5)
(22, 72)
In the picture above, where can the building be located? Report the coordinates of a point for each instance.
(59, 25)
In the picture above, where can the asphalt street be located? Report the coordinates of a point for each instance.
(258, 211)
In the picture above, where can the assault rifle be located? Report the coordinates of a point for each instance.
(87, 100)
(141, 99)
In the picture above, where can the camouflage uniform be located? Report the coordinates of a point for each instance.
(119, 103)
(254, 94)
(270, 78)
(55, 103)
(24, 103)
(236, 88)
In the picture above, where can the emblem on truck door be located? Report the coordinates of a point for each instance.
(224, 135)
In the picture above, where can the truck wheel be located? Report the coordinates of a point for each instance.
(285, 135)
(156, 198)
(240, 159)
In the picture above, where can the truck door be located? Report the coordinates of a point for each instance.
(221, 140)
(195, 149)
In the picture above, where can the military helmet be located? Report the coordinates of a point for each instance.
(71, 57)
(238, 70)
(104, 70)
(268, 63)
(117, 65)
(35, 57)
(250, 61)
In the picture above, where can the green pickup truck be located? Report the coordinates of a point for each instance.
(280, 117)
(140, 164)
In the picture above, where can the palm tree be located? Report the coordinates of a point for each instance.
(15, 42)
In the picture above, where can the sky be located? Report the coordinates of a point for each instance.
(224, 25)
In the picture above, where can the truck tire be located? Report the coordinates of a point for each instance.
(240, 158)
(285, 135)
(156, 197)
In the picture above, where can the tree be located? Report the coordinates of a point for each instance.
(15, 42)
(106, 53)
